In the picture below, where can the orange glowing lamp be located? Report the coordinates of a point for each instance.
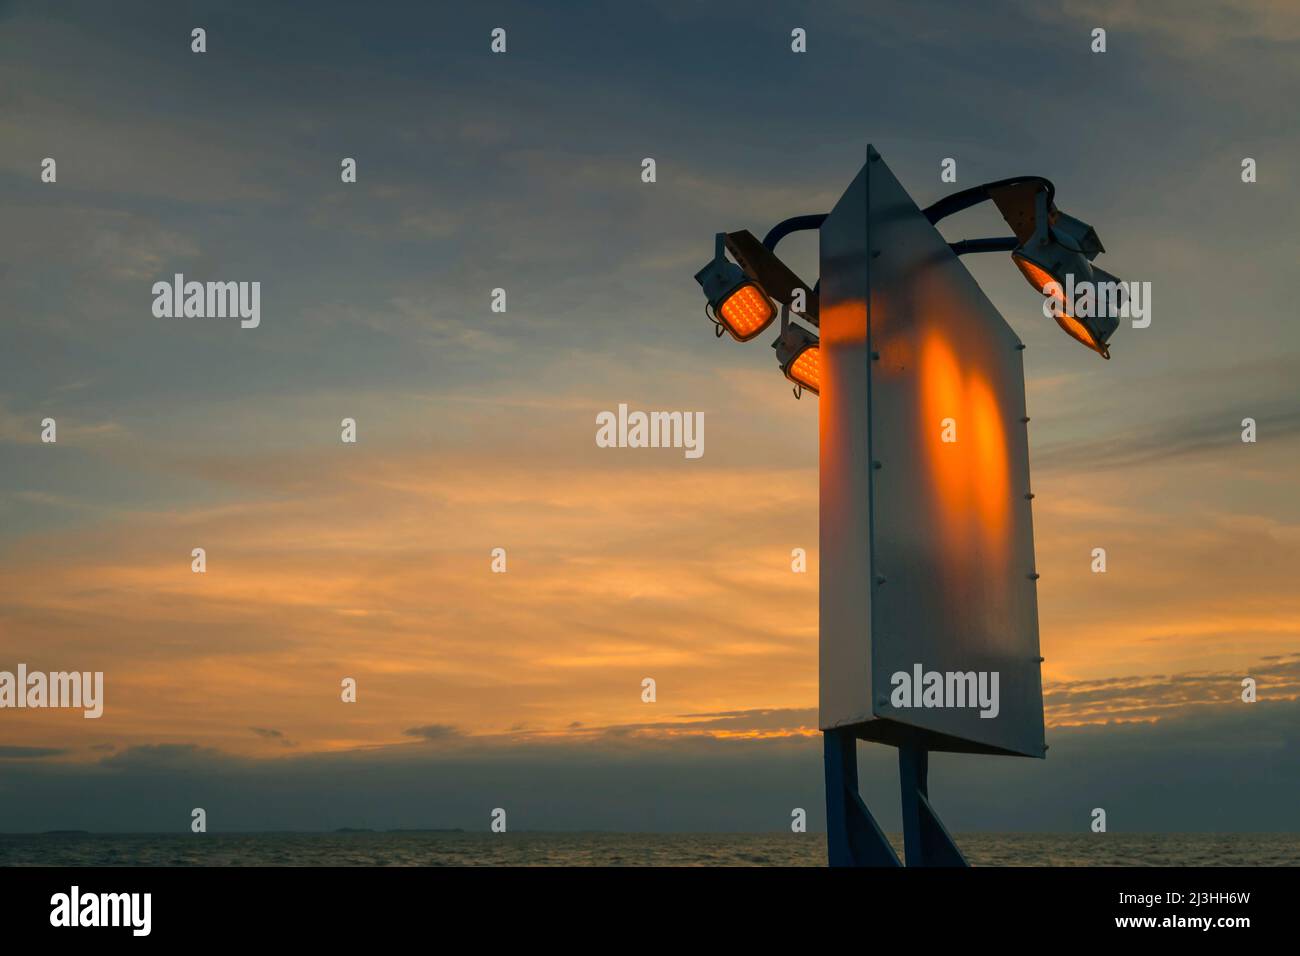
(738, 303)
(800, 358)
(1051, 280)
(745, 312)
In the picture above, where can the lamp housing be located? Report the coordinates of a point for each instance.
(738, 303)
(799, 356)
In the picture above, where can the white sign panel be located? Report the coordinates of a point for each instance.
(929, 615)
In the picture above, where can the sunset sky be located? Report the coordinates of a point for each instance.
(476, 430)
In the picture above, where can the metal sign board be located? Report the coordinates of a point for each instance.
(929, 615)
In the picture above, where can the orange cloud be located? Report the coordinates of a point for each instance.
(374, 563)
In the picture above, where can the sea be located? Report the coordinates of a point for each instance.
(455, 848)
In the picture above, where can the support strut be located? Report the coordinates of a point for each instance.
(852, 836)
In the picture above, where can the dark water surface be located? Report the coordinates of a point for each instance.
(621, 849)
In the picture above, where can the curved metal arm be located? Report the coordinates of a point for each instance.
(977, 194)
(1000, 244)
(794, 224)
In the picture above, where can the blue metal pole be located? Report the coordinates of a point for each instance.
(926, 842)
(852, 835)
(913, 768)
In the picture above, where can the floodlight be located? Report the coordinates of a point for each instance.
(798, 354)
(1075, 234)
(738, 303)
(1056, 260)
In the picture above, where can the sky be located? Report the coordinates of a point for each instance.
(476, 429)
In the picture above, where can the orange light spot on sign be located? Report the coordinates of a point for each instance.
(942, 398)
(971, 475)
(990, 470)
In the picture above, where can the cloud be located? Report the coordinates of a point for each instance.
(1147, 443)
(1150, 698)
(15, 752)
(25, 427)
(758, 722)
(169, 757)
(435, 732)
(1229, 768)
(1236, 22)
(619, 570)
(267, 733)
